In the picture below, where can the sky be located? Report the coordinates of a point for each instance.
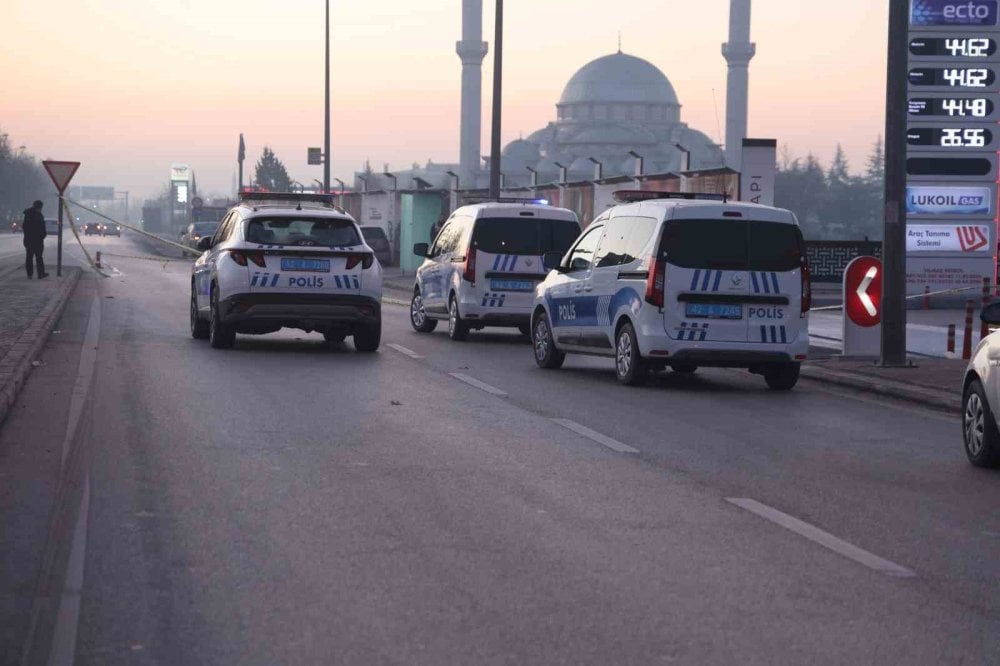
(128, 87)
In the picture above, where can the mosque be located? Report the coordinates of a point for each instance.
(618, 115)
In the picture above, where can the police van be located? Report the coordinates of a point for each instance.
(681, 281)
(485, 263)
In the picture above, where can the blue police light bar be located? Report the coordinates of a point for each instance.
(632, 196)
(514, 200)
(290, 197)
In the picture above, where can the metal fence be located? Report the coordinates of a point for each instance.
(828, 259)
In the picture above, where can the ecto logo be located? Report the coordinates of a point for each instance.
(953, 12)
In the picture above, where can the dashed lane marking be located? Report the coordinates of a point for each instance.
(403, 350)
(825, 539)
(472, 381)
(593, 435)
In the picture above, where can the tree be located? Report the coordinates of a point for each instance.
(838, 174)
(22, 180)
(271, 173)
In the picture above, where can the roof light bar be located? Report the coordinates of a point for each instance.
(292, 197)
(632, 196)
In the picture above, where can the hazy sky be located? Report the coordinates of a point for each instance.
(129, 86)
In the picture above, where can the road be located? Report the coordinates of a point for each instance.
(450, 503)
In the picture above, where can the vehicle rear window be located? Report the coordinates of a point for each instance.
(306, 231)
(733, 245)
(524, 235)
(373, 233)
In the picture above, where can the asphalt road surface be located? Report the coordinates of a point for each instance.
(449, 503)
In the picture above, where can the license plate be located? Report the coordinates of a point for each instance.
(512, 285)
(306, 265)
(713, 311)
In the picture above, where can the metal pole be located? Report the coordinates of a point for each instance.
(59, 244)
(326, 133)
(497, 99)
(894, 244)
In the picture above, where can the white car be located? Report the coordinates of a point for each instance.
(484, 265)
(287, 261)
(680, 281)
(980, 395)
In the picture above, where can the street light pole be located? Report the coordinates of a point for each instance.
(326, 82)
(497, 99)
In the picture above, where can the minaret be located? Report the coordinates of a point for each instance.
(737, 52)
(471, 50)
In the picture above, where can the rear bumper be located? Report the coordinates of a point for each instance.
(312, 311)
(729, 358)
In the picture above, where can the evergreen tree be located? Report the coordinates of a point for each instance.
(838, 174)
(875, 168)
(271, 174)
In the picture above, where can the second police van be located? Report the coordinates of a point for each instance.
(485, 263)
(680, 281)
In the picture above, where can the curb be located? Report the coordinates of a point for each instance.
(927, 397)
(17, 363)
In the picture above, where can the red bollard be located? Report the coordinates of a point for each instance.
(927, 297)
(951, 341)
(984, 328)
(967, 340)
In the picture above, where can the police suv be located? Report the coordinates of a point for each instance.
(680, 280)
(485, 263)
(286, 260)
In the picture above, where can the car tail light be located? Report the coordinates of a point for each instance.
(655, 282)
(469, 274)
(238, 257)
(364, 259)
(806, 286)
(241, 257)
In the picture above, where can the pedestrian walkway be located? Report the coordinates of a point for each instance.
(926, 330)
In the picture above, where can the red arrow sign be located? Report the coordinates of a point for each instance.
(863, 291)
(61, 172)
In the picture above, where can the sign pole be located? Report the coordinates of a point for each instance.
(893, 344)
(59, 245)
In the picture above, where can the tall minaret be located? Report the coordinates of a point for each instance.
(471, 50)
(737, 52)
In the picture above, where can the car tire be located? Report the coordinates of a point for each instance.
(684, 368)
(419, 320)
(334, 338)
(367, 337)
(980, 434)
(543, 343)
(199, 327)
(783, 376)
(630, 367)
(458, 330)
(220, 335)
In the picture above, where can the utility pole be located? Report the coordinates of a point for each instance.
(241, 155)
(497, 100)
(894, 230)
(326, 81)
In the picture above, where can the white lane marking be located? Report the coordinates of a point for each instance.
(603, 440)
(472, 381)
(63, 649)
(84, 375)
(824, 539)
(403, 350)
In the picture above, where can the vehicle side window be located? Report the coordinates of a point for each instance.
(441, 239)
(612, 249)
(220, 233)
(642, 229)
(581, 257)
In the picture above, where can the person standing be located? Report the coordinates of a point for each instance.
(34, 240)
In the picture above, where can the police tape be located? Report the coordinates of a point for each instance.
(183, 248)
(928, 294)
(72, 227)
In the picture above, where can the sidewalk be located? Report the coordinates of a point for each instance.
(933, 382)
(28, 311)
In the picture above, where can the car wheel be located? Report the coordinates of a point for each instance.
(546, 354)
(630, 367)
(458, 330)
(419, 320)
(199, 327)
(334, 338)
(684, 368)
(367, 337)
(782, 377)
(220, 335)
(979, 428)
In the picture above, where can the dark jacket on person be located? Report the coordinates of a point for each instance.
(34, 227)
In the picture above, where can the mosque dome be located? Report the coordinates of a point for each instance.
(521, 151)
(619, 78)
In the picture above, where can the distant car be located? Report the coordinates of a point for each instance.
(15, 226)
(196, 231)
(111, 229)
(51, 227)
(981, 397)
(378, 242)
(91, 229)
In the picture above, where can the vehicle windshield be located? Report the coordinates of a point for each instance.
(524, 235)
(733, 245)
(305, 231)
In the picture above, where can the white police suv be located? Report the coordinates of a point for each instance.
(286, 261)
(485, 263)
(981, 396)
(680, 280)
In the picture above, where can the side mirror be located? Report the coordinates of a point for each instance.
(420, 249)
(205, 243)
(991, 314)
(551, 260)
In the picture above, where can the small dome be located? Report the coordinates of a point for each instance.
(521, 151)
(619, 78)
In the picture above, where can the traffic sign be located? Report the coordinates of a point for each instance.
(197, 202)
(862, 307)
(314, 156)
(61, 172)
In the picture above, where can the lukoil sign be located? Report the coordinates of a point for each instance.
(948, 238)
(953, 12)
(937, 200)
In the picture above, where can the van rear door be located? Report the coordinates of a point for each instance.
(776, 252)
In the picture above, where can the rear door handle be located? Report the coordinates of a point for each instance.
(588, 288)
